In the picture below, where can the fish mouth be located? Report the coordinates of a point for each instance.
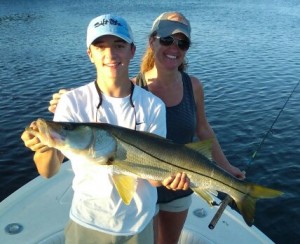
(51, 131)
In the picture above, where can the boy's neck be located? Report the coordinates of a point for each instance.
(115, 88)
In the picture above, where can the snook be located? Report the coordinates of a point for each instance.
(133, 153)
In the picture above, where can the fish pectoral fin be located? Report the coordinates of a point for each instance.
(205, 194)
(203, 147)
(126, 186)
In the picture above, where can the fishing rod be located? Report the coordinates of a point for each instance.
(227, 200)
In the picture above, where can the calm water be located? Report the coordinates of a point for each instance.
(247, 53)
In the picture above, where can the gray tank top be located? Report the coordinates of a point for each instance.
(181, 127)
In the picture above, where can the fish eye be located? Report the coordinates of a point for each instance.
(67, 126)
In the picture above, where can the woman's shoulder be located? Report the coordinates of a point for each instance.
(197, 87)
(196, 83)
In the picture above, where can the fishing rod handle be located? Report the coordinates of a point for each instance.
(220, 211)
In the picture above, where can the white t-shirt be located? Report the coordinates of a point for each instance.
(96, 203)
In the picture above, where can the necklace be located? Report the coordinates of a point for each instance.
(100, 94)
(130, 100)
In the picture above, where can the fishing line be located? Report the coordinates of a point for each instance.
(270, 129)
(228, 199)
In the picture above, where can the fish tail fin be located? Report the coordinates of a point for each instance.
(246, 204)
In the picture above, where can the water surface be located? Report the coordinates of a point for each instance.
(247, 54)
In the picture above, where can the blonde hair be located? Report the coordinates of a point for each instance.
(147, 60)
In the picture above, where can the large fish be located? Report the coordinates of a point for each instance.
(144, 155)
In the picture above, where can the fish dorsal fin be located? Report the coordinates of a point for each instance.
(126, 187)
(203, 147)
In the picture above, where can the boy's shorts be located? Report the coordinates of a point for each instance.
(77, 234)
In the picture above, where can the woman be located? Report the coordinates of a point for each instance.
(162, 73)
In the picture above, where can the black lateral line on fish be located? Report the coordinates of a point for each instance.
(183, 169)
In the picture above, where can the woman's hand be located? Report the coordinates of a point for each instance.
(55, 99)
(236, 172)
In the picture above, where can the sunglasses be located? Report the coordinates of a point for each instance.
(184, 45)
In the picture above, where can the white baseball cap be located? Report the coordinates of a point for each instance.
(108, 24)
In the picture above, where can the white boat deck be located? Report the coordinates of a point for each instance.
(39, 211)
